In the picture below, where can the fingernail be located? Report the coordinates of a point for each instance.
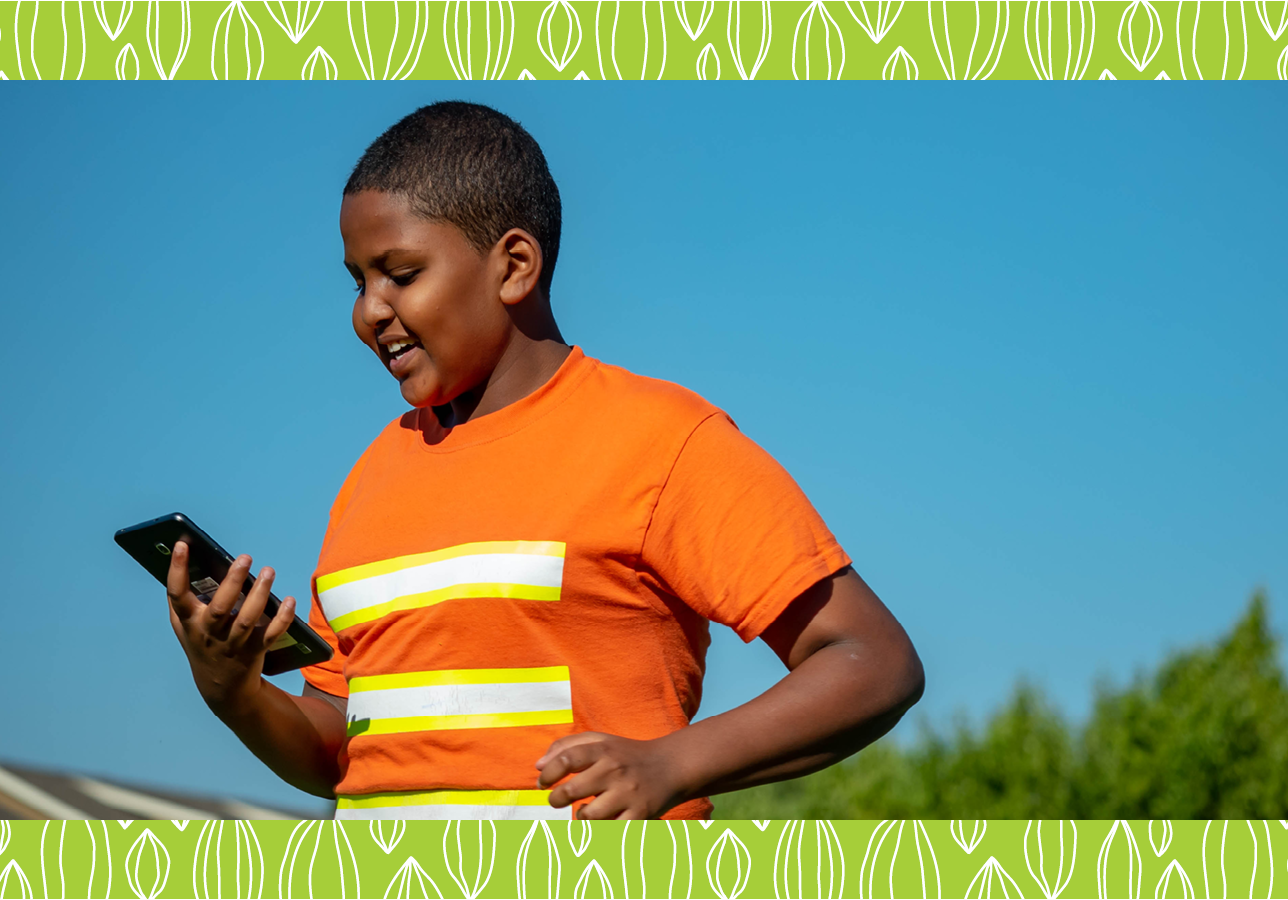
(244, 560)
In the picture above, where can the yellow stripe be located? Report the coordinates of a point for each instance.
(445, 723)
(452, 592)
(443, 798)
(385, 566)
(456, 676)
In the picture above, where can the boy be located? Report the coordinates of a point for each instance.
(517, 574)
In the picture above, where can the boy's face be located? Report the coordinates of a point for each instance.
(428, 302)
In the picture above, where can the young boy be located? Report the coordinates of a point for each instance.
(518, 573)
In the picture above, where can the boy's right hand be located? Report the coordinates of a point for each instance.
(225, 647)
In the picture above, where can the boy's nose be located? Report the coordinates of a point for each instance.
(373, 310)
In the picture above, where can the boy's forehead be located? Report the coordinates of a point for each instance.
(378, 224)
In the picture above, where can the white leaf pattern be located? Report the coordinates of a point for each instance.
(318, 862)
(1207, 57)
(1266, 14)
(823, 36)
(1038, 855)
(147, 866)
(127, 64)
(298, 24)
(799, 845)
(411, 882)
(1164, 838)
(657, 849)
(764, 36)
(960, 30)
(1111, 874)
(387, 842)
(237, 48)
(310, 71)
(526, 865)
(891, 869)
(593, 882)
(1153, 39)
(726, 884)
(992, 881)
(227, 862)
(559, 27)
(957, 830)
(387, 45)
(1059, 36)
(66, 847)
(156, 41)
(652, 39)
(124, 8)
(682, 13)
(1174, 869)
(706, 60)
(13, 873)
(469, 850)
(30, 26)
(875, 26)
(461, 39)
(900, 67)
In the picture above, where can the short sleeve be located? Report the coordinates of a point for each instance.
(329, 676)
(732, 535)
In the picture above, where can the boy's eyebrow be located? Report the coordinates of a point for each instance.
(381, 259)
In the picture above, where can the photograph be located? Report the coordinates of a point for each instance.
(561, 452)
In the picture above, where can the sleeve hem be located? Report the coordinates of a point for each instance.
(832, 560)
(326, 681)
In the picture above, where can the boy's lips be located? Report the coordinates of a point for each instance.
(401, 362)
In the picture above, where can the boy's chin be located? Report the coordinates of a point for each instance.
(418, 396)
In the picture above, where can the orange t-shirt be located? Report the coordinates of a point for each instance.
(540, 571)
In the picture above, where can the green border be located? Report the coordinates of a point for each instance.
(502, 39)
(1046, 858)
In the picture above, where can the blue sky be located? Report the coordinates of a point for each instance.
(1023, 345)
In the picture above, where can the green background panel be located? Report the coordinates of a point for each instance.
(781, 859)
(688, 40)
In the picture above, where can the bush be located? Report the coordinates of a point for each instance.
(1206, 736)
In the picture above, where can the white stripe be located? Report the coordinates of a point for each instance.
(29, 795)
(456, 811)
(460, 699)
(480, 568)
(146, 806)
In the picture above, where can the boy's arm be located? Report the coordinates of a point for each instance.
(854, 673)
(299, 738)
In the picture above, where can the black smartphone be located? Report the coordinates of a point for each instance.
(151, 542)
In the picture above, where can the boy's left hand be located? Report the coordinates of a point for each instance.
(629, 779)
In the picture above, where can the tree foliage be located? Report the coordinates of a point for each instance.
(1204, 736)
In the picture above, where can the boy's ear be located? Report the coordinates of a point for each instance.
(521, 255)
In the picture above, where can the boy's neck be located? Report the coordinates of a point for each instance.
(526, 364)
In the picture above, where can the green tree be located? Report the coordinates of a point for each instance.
(1205, 736)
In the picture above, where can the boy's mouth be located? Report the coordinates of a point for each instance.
(399, 353)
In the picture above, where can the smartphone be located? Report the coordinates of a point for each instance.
(151, 543)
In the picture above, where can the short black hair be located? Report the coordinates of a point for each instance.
(469, 165)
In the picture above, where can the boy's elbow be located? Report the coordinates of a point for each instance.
(910, 683)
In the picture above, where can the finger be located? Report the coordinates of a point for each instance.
(596, 779)
(229, 590)
(571, 740)
(568, 761)
(282, 621)
(609, 805)
(182, 601)
(252, 609)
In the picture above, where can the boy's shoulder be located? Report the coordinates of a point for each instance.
(622, 391)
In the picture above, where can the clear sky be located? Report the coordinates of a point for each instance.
(1025, 346)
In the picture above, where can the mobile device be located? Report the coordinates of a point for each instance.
(151, 542)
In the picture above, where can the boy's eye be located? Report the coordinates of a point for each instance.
(358, 288)
(403, 280)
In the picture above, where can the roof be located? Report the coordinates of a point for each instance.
(27, 793)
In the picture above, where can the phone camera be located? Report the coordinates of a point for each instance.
(162, 549)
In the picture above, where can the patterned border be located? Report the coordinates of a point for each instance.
(781, 859)
(648, 39)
